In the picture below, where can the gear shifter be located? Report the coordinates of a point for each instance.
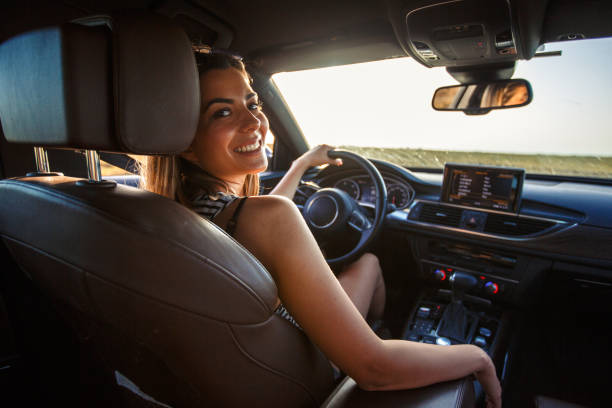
(460, 283)
(455, 321)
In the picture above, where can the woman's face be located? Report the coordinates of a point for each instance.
(229, 142)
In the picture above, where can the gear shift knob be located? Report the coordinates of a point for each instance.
(462, 282)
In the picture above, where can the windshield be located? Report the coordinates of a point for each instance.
(383, 110)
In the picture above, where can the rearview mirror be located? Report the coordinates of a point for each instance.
(480, 98)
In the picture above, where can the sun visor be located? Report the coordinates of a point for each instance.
(130, 85)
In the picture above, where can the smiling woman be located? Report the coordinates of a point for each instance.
(224, 159)
(210, 178)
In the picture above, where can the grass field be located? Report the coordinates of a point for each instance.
(587, 166)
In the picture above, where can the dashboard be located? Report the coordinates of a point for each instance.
(562, 219)
(523, 230)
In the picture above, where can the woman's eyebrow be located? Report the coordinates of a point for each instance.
(228, 101)
(217, 100)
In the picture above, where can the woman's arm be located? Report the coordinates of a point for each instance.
(314, 157)
(274, 231)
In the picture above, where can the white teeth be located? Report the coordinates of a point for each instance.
(248, 148)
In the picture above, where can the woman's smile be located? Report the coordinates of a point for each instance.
(250, 148)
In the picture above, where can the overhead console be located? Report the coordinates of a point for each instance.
(461, 33)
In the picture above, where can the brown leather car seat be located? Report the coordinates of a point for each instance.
(175, 311)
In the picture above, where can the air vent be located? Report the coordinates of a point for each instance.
(437, 214)
(515, 226)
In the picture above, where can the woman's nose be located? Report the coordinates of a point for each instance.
(250, 122)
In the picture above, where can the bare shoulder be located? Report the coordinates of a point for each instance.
(271, 207)
(270, 214)
(268, 223)
(271, 201)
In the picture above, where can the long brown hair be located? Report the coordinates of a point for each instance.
(163, 174)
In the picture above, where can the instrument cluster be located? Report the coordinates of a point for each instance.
(361, 189)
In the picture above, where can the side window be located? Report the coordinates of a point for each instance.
(111, 170)
(120, 167)
(119, 164)
(270, 141)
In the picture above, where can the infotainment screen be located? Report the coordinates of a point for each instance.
(496, 188)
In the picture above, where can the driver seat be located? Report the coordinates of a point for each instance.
(168, 306)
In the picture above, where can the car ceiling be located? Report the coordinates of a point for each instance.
(280, 35)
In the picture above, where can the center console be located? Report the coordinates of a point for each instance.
(440, 318)
(474, 278)
(468, 284)
(468, 291)
(471, 292)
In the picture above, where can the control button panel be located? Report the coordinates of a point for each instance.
(426, 321)
(423, 312)
(488, 286)
(485, 334)
(424, 326)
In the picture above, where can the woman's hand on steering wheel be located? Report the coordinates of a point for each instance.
(317, 156)
(314, 157)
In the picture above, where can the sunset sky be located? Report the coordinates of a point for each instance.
(388, 104)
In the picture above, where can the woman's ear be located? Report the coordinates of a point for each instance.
(190, 155)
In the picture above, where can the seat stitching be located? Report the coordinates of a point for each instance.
(268, 368)
(122, 223)
(119, 286)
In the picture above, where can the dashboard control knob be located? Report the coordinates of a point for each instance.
(439, 274)
(491, 288)
(480, 341)
(443, 341)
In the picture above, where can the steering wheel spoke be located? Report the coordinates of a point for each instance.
(304, 190)
(359, 222)
(307, 188)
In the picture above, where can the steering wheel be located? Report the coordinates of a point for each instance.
(331, 211)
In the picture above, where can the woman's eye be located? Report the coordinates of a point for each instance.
(255, 105)
(221, 113)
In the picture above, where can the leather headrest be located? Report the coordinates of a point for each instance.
(129, 85)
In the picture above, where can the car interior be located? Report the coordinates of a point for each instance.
(111, 295)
